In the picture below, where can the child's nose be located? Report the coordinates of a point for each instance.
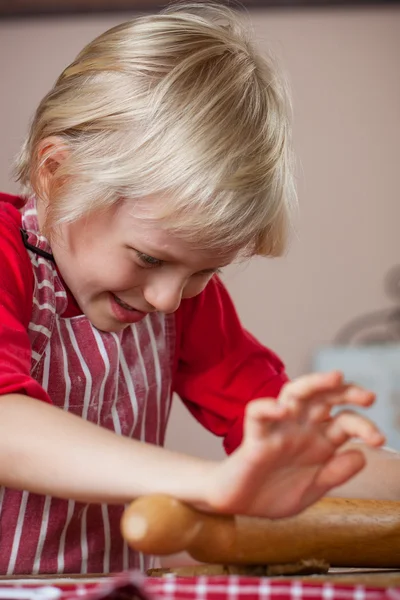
(165, 298)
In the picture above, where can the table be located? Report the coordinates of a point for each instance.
(351, 585)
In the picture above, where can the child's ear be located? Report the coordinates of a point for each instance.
(51, 154)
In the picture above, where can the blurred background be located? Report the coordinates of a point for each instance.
(342, 62)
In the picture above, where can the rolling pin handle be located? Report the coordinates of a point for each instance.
(160, 525)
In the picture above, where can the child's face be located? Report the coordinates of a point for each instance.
(119, 267)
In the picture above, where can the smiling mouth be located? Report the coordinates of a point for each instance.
(122, 303)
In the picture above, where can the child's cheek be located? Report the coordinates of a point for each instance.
(195, 285)
(126, 276)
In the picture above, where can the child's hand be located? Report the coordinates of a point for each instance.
(289, 456)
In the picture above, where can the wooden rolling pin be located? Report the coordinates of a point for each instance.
(342, 532)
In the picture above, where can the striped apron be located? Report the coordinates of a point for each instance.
(120, 381)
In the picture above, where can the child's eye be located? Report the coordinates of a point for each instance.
(149, 261)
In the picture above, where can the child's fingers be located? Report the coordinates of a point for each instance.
(340, 468)
(259, 416)
(303, 396)
(354, 394)
(301, 400)
(348, 425)
(317, 412)
(346, 394)
(318, 409)
(295, 393)
(308, 386)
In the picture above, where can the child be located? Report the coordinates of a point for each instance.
(160, 156)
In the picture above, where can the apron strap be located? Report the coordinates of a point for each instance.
(38, 251)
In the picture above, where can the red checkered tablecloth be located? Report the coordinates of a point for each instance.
(261, 588)
(133, 586)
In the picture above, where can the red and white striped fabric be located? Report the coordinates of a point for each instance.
(131, 586)
(121, 381)
(261, 588)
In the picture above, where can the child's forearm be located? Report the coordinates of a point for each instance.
(48, 451)
(379, 479)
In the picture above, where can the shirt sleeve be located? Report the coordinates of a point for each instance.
(16, 292)
(221, 366)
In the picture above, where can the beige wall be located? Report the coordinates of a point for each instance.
(344, 71)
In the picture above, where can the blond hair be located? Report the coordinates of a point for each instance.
(177, 105)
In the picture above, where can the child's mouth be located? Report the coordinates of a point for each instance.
(122, 303)
(125, 313)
